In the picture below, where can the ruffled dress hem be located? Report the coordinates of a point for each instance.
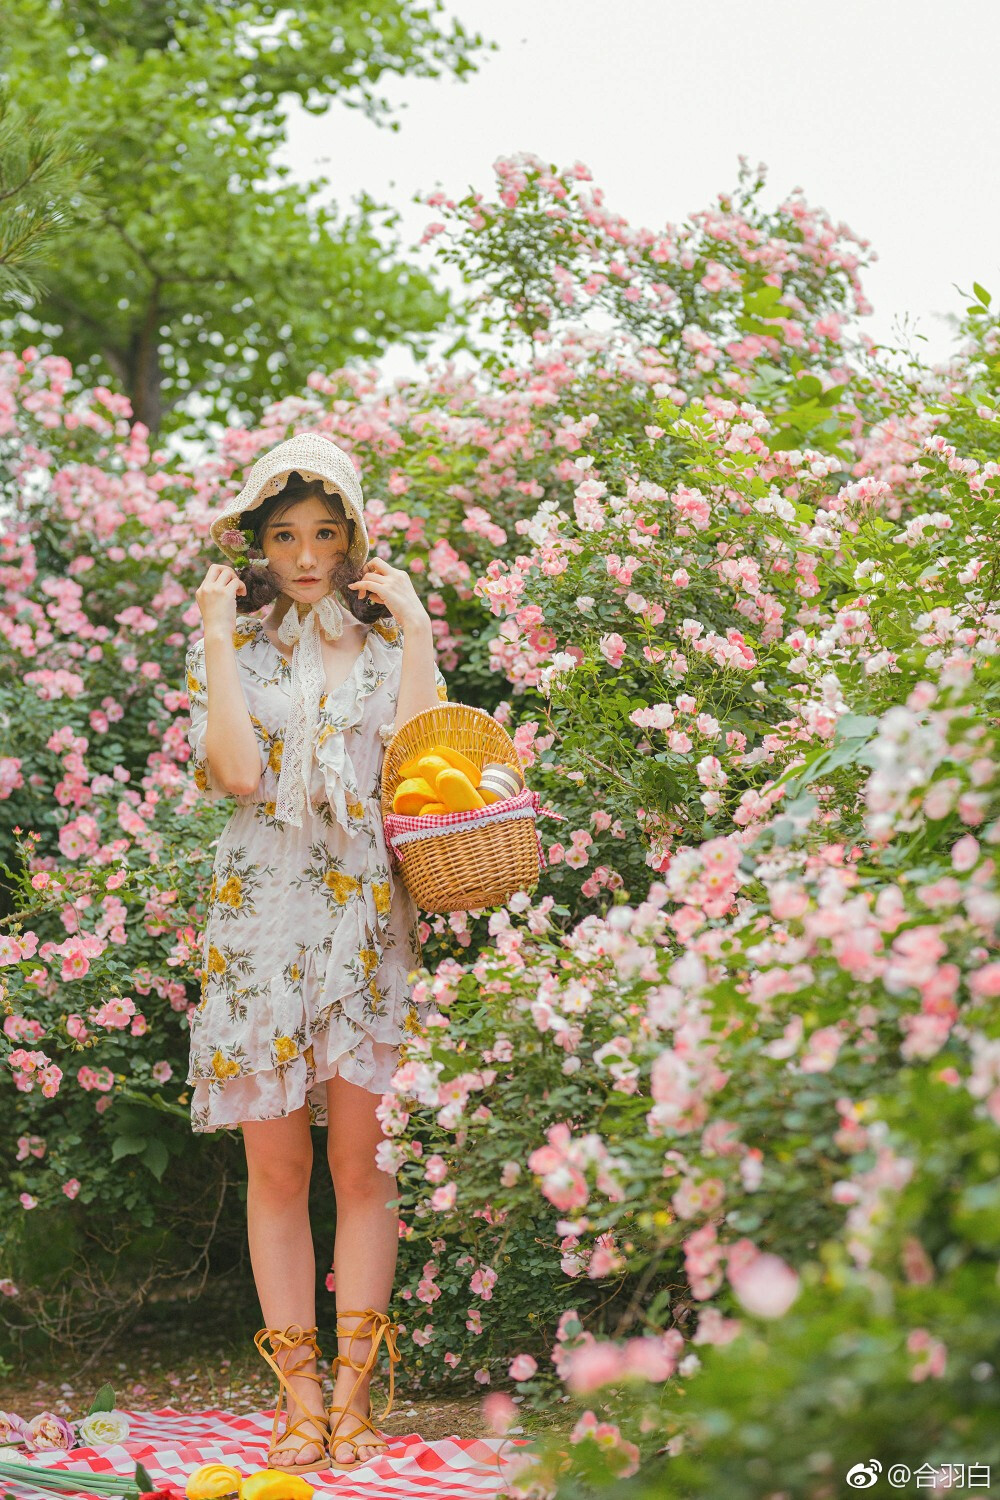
(225, 1104)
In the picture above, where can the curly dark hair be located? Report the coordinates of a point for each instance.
(263, 587)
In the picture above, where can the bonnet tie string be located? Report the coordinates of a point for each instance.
(308, 682)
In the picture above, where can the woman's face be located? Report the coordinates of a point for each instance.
(306, 548)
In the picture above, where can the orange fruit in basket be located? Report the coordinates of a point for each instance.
(430, 809)
(456, 791)
(411, 795)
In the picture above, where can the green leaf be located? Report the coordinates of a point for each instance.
(981, 293)
(784, 440)
(156, 1157)
(978, 1213)
(104, 1400)
(832, 396)
(765, 302)
(154, 1101)
(810, 386)
(800, 807)
(127, 1145)
(846, 752)
(143, 1480)
(757, 326)
(855, 726)
(660, 1304)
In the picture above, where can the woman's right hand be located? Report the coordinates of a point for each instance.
(217, 597)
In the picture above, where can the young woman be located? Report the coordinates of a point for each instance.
(309, 941)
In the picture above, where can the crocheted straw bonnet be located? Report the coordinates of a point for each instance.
(314, 456)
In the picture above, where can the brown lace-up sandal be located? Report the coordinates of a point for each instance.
(380, 1329)
(293, 1338)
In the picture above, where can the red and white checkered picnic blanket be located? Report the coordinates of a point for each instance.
(170, 1444)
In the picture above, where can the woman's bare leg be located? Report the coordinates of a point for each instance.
(367, 1239)
(279, 1165)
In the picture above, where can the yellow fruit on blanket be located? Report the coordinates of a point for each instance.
(211, 1481)
(457, 792)
(432, 809)
(277, 1484)
(412, 794)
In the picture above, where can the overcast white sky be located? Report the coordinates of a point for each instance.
(885, 112)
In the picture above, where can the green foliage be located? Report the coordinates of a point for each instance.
(834, 1382)
(205, 272)
(45, 182)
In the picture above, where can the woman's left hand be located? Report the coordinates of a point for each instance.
(392, 587)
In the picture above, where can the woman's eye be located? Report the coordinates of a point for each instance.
(323, 531)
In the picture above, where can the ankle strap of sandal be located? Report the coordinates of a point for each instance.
(290, 1337)
(381, 1329)
(294, 1339)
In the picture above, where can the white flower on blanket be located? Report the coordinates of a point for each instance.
(101, 1428)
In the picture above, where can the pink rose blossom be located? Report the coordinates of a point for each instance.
(522, 1367)
(499, 1411)
(48, 1432)
(766, 1286)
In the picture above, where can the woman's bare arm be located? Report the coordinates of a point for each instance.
(230, 742)
(418, 685)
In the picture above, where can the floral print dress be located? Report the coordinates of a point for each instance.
(309, 940)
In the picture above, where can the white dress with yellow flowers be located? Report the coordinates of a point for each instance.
(310, 939)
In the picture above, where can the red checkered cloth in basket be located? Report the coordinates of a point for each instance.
(171, 1444)
(402, 829)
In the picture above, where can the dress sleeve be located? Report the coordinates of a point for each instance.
(197, 691)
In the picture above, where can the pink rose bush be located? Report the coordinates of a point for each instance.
(696, 1140)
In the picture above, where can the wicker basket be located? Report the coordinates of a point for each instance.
(462, 861)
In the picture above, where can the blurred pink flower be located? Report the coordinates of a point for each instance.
(13, 1429)
(765, 1285)
(522, 1367)
(499, 1411)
